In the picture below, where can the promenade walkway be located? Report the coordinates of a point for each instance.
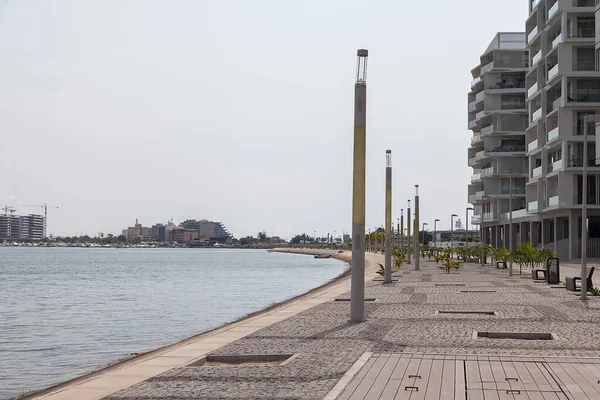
(428, 335)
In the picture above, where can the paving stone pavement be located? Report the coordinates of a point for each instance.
(403, 319)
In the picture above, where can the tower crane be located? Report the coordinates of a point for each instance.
(45, 206)
(8, 209)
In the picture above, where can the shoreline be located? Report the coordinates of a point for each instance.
(344, 256)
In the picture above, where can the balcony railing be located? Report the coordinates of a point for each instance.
(553, 10)
(583, 3)
(472, 161)
(532, 90)
(532, 206)
(534, 3)
(472, 124)
(488, 129)
(584, 65)
(553, 201)
(537, 57)
(480, 96)
(489, 216)
(553, 72)
(480, 114)
(487, 171)
(553, 134)
(472, 106)
(475, 177)
(583, 33)
(555, 166)
(480, 154)
(532, 34)
(515, 214)
(506, 149)
(584, 96)
(536, 172)
(476, 218)
(536, 114)
(576, 162)
(472, 198)
(533, 145)
(578, 130)
(476, 139)
(557, 40)
(487, 67)
(480, 195)
(592, 199)
(475, 81)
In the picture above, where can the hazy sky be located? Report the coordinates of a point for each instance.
(235, 111)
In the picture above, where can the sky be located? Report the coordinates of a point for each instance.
(236, 111)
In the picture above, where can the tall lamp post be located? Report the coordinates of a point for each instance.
(482, 231)
(510, 225)
(388, 217)
(424, 223)
(408, 222)
(401, 229)
(452, 234)
(416, 234)
(467, 230)
(584, 231)
(435, 221)
(357, 283)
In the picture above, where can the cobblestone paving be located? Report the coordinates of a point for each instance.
(404, 318)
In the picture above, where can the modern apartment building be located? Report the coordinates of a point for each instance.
(562, 87)
(21, 227)
(213, 231)
(498, 117)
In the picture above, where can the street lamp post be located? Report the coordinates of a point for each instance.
(408, 220)
(452, 234)
(357, 283)
(435, 230)
(416, 234)
(467, 230)
(424, 223)
(510, 226)
(401, 229)
(584, 231)
(388, 217)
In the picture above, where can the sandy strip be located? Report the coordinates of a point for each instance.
(109, 380)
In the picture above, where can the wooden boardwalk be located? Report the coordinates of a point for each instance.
(441, 377)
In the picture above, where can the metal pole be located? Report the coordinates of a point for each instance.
(416, 234)
(481, 232)
(584, 213)
(401, 229)
(451, 235)
(466, 233)
(510, 227)
(388, 217)
(408, 223)
(357, 286)
(398, 233)
(434, 231)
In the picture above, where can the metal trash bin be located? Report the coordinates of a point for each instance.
(552, 271)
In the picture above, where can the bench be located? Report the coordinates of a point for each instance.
(535, 274)
(571, 281)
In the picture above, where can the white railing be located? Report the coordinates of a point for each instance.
(537, 172)
(557, 165)
(487, 67)
(476, 139)
(475, 81)
(489, 216)
(553, 134)
(536, 114)
(480, 114)
(472, 106)
(557, 40)
(472, 198)
(533, 145)
(476, 218)
(475, 177)
(553, 72)
(487, 129)
(537, 57)
(487, 171)
(515, 214)
(472, 124)
(480, 96)
(480, 195)
(534, 3)
(472, 161)
(553, 10)
(553, 201)
(480, 154)
(532, 206)
(532, 90)
(533, 32)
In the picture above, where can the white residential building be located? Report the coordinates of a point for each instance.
(562, 87)
(498, 117)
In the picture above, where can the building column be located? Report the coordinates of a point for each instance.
(533, 231)
(573, 234)
(493, 234)
(555, 234)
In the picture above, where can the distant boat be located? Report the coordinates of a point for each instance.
(322, 255)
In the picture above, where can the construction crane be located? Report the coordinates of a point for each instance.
(45, 206)
(8, 209)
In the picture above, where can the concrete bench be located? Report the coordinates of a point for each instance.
(571, 281)
(535, 274)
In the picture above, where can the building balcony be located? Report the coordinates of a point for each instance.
(472, 124)
(476, 139)
(480, 114)
(472, 106)
(487, 172)
(475, 81)
(553, 10)
(551, 135)
(536, 172)
(533, 145)
(532, 206)
(553, 72)
(557, 40)
(592, 199)
(553, 201)
(479, 96)
(585, 65)
(472, 161)
(577, 162)
(584, 96)
(475, 177)
(534, 32)
(537, 114)
(583, 33)
(476, 218)
(532, 90)
(489, 217)
(555, 166)
(515, 214)
(507, 149)
(578, 130)
(537, 57)
(584, 3)
(487, 67)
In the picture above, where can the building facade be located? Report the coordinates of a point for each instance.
(215, 232)
(498, 118)
(21, 227)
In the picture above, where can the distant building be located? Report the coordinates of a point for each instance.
(136, 232)
(215, 232)
(21, 227)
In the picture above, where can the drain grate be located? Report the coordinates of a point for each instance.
(466, 312)
(516, 335)
(450, 284)
(347, 299)
(478, 291)
(249, 360)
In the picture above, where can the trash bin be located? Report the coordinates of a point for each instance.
(501, 264)
(552, 271)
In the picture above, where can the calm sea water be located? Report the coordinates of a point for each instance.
(68, 311)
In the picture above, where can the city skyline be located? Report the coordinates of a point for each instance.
(244, 118)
